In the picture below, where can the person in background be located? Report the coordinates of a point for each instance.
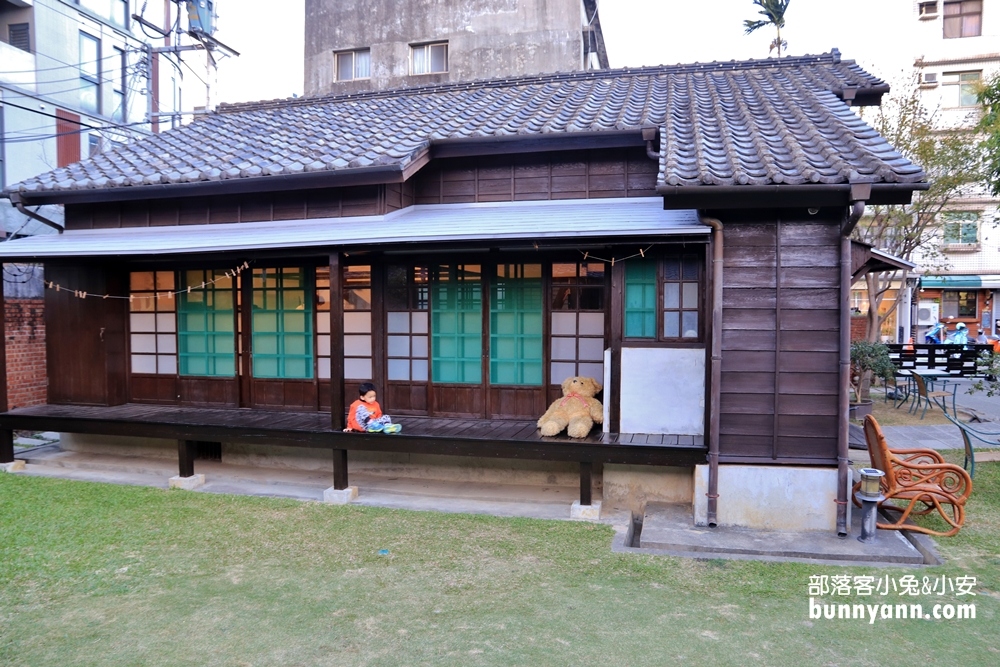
(961, 335)
(935, 335)
(365, 413)
(981, 339)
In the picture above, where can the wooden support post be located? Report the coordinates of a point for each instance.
(336, 346)
(586, 468)
(340, 469)
(185, 455)
(6, 446)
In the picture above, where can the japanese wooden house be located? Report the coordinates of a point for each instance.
(678, 232)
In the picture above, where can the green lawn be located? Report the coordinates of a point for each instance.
(94, 574)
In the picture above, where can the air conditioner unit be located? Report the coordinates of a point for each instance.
(927, 313)
(929, 78)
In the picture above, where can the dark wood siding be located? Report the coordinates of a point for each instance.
(780, 335)
(330, 203)
(625, 172)
(85, 337)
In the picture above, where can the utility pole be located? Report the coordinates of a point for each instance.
(205, 42)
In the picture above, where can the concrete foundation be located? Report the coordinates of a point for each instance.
(187, 483)
(631, 487)
(585, 512)
(340, 496)
(14, 466)
(390, 465)
(770, 497)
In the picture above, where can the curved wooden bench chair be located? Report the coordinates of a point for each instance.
(920, 482)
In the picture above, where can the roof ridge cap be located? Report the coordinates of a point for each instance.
(527, 79)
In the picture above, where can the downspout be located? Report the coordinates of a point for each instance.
(860, 192)
(716, 370)
(16, 201)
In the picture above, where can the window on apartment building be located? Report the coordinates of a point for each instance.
(119, 111)
(663, 298)
(90, 73)
(93, 145)
(19, 36)
(960, 227)
(957, 303)
(960, 88)
(429, 58)
(928, 9)
(963, 18)
(353, 64)
(117, 11)
(152, 323)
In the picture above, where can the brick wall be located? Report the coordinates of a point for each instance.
(25, 328)
(859, 327)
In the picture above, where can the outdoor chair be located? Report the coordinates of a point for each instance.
(898, 389)
(920, 482)
(929, 397)
(968, 434)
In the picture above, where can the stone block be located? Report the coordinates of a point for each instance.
(585, 512)
(17, 465)
(340, 496)
(187, 483)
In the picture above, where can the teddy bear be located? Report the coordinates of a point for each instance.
(577, 409)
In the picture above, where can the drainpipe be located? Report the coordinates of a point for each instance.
(860, 192)
(19, 205)
(649, 136)
(716, 368)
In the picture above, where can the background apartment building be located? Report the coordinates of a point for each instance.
(959, 47)
(77, 76)
(359, 45)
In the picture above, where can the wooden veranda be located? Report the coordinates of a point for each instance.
(512, 439)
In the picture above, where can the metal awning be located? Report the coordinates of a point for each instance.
(961, 282)
(437, 223)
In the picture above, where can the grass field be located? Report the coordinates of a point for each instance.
(94, 574)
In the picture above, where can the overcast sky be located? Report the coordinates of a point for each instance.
(876, 33)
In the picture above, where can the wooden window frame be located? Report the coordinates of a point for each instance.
(281, 356)
(660, 309)
(164, 309)
(233, 311)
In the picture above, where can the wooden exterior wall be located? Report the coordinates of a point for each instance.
(780, 333)
(539, 176)
(85, 338)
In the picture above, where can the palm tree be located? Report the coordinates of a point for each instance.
(774, 12)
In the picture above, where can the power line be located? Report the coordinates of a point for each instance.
(68, 120)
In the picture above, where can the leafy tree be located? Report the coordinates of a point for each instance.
(773, 12)
(952, 161)
(869, 360)
(989, 126)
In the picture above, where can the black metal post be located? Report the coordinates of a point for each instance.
(340, 469)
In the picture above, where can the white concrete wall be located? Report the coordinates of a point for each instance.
(663, 391)
(770, 497)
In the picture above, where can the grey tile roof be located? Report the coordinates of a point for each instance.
(759, 122)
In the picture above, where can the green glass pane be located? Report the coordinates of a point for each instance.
(472, 347)
(265, 344)
(472, 372)
(225, 366)
(224, 322)
(294, 300)
(194, 345)
(532, 373)
(503, 373)
(297, 368)
(531, 348)
(297, 344)
(504, 348)
(504, 324)
(223, 300)
(296, 322)
(445, 347)
(194, 366)
(265, 322)
(444, 371)
(633, 296)
(531, 323)
(265, 367)
(445, 323)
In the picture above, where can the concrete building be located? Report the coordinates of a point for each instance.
(73, 83)
(959, 47)
(362, 45)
